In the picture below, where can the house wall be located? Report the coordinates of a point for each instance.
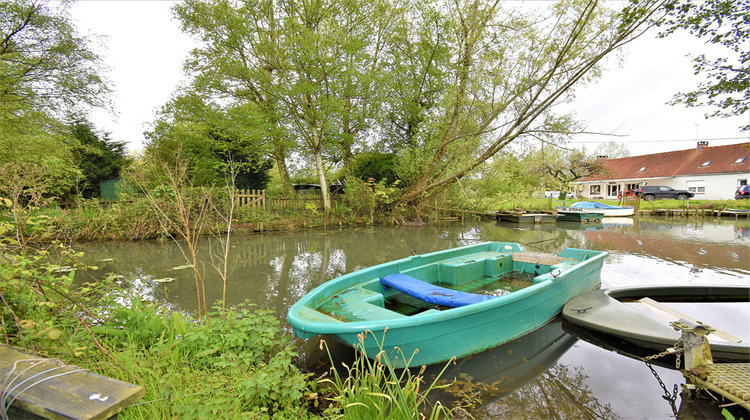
(715, 187)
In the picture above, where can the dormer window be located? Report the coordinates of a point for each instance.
(706, 163)
(642, 169)
(738, 161)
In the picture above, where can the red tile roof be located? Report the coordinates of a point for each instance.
(723, 159)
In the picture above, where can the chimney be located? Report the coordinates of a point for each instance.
(702, 144)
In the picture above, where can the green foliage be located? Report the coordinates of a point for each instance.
(375, 165)
(46, 71)
(236, 361)
(45, 64)
(371, 198)
(718, 22)
(373, 389)
(99, 158)
(214, 140)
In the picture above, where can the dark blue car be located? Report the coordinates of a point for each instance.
(742, 192)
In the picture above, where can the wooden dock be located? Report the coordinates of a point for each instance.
(52, 389)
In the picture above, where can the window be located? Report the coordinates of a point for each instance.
(697, 186)
(706, 163)
(595, 189)
(642, 169)
(738, 161)
(741, 182)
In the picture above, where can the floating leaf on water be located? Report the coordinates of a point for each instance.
(165, 280)
(106, 260)
(183, 267)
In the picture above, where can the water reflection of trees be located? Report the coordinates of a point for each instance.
(559, 393)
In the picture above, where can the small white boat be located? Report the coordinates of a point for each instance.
(609, 211)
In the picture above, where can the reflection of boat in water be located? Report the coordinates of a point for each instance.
(646, 323)
(617, 221)
(511, 366)
(528, 217)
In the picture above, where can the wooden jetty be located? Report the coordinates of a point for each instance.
(52, 389)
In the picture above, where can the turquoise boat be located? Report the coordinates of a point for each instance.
(576, 214)
(429, 308)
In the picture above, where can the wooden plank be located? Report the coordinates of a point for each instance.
(678, 314)
(54, 390)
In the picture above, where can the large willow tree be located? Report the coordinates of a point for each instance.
(507, 69)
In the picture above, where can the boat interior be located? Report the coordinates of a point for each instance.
(487, 273)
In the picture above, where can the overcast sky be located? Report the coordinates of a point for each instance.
(144, 49)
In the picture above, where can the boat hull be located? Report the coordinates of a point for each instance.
(602, 312)
(435, 336)
(571, 214)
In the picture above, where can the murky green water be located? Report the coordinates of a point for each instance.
(548, 371)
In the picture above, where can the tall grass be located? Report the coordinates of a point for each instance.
(374, 389)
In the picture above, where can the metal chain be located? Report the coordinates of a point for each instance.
(675, 349)
(667, 396)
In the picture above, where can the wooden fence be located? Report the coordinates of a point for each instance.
(256, 199)
(259, 200)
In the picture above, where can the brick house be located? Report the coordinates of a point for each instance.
(712, 173)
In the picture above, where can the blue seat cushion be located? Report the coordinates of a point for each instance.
(428, 292)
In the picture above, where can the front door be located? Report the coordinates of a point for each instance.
(612, 190)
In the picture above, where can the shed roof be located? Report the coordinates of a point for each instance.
(734, 158)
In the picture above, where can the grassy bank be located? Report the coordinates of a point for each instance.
(229, 362)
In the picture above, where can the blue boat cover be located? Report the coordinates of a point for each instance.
(430, 293)
(594, 205)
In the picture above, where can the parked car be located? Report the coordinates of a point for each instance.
(742, 192)
(653, 192)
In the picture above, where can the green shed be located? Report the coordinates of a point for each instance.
(110, 189)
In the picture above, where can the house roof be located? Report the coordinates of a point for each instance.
(698, 161)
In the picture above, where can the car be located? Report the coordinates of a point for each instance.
(742, 192)
(653, 192)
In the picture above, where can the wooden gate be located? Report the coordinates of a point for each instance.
(256, 199)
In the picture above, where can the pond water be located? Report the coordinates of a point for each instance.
(549, 373)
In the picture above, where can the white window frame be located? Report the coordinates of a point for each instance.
(697, 186)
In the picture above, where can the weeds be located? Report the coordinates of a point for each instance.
(373, 389)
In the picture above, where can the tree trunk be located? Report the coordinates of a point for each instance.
(322, 180)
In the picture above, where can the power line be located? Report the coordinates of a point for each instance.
(659, 140)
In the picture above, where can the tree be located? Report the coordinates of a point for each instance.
(312, 70)
(612, 150)
(241, 63)
(46, 72)
(46, 67)
(98, 157)
(508, 72)
(211, 139)
(724, 23)
(566, 166)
